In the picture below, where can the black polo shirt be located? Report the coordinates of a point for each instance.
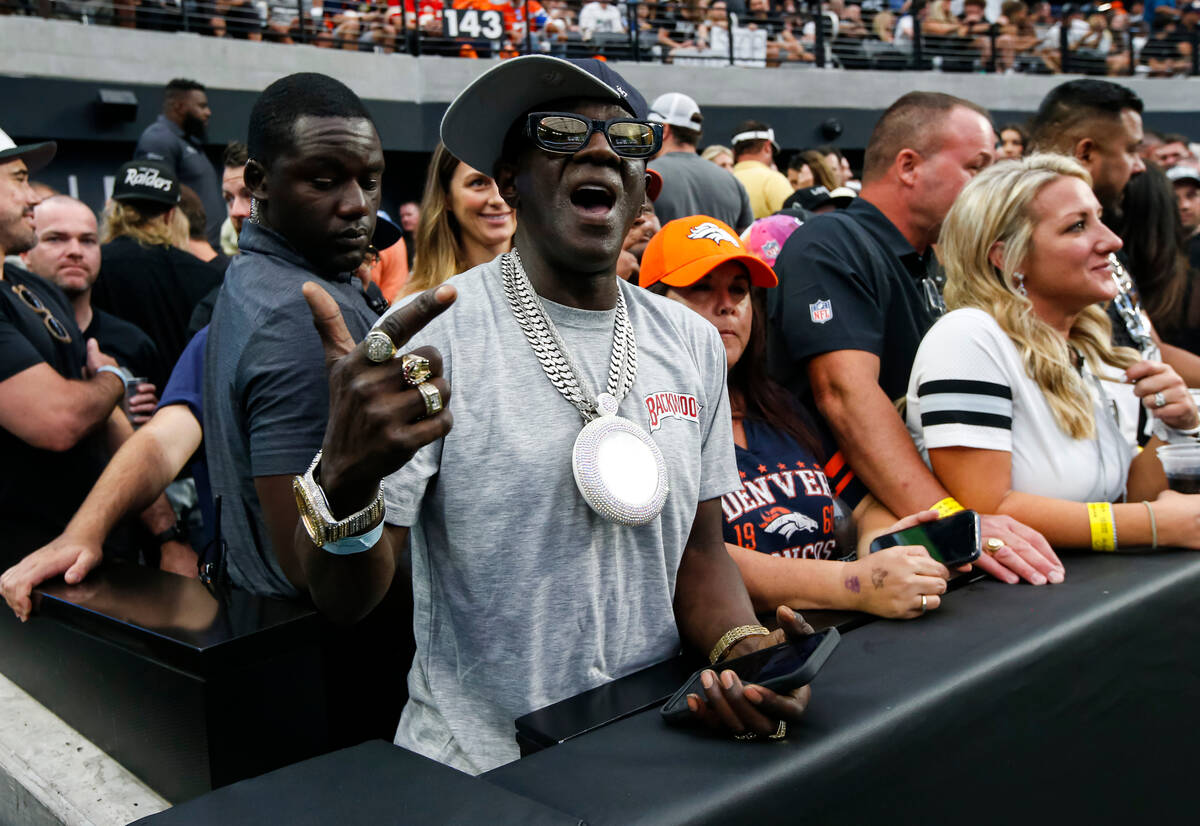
(849, 280)
(40, 489)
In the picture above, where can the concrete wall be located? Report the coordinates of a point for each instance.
(50, 71)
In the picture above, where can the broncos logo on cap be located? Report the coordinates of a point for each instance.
(713, 233)
(786, 522)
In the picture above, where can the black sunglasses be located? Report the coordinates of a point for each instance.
(53, 325)
(566, 133)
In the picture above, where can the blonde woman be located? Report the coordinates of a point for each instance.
(722, 156)
(464, 223)
(1007, 400)
(146, 276)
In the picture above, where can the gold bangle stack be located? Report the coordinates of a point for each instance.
(732, 637)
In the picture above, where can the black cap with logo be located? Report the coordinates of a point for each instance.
(144, 180)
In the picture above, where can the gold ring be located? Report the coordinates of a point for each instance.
(746, 735)
(924, 603)
(993, 545)
(415, 368)
(432, 398)
(380, 346)
(780, 732)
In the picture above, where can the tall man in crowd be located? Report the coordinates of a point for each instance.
(176, 138)
(553, 598)
(1099, 124)
(58, 396)
(67, 254)
(692, 185)
(856, 296)
(266, 399)
(754, 149)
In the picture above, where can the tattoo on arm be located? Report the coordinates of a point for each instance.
(878, 575)
(852, 584)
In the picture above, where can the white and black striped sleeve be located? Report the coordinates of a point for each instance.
(966, 413)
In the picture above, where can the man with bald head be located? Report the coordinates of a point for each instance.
(67, 254)
(857, 294)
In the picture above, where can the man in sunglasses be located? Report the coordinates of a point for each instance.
(58, 397)
(540, 568)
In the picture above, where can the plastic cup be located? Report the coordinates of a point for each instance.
(1182, 466)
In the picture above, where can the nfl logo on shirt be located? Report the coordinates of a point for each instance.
(821, 312)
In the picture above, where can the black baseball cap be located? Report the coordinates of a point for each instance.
(813, 198)
(474, 126)
(35, 155)
(145, 180)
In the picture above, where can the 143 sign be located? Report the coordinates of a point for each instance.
(487, 25)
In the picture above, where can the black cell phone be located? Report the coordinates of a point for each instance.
(952, 540)
(779, 668)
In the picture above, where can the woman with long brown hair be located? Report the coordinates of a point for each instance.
(464, 222)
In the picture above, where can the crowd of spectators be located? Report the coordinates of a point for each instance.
(1158, 39)
(1024, 294)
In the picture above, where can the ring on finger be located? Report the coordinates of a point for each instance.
(1159, 400)
(993, 545)
(380, 347)
(780, 732)
(431, 397)
(746, 735)
(924, 603)
(415, 368)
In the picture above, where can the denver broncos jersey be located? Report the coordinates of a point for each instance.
(785, 506)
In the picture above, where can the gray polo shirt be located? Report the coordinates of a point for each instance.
(164, 141)
(694, 186)
(266, 394)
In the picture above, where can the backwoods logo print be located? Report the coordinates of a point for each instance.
(668, 405)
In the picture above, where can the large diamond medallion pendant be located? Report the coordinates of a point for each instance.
(618, 468)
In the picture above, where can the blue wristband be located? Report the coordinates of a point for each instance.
(355, 544)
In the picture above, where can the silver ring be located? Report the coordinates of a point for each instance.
(415, 368)
(431, 397)
(924, 603)
(380, 346)
(1159, 400)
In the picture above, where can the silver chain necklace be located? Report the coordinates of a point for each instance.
(618, 468)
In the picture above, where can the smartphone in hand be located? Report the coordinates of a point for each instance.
(952, 540)
(780, 668)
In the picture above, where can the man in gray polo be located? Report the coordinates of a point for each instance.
(692, 185)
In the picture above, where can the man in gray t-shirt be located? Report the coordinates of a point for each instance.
(692, 185)
(523, 594)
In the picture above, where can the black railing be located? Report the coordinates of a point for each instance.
(701, 33)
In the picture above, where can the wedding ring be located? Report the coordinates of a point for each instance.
(432, 398)
(1159, 400)
(415, 368)
(993, 545)
(924, 603)
(380, 346)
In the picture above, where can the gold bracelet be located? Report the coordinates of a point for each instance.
(1153, 525)
(732, 637)
(1104, 532)
(945, 507)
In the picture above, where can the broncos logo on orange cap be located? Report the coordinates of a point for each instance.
(713, 233)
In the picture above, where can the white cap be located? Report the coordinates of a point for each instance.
(676, 109)
(35, 155)
(1183, 173)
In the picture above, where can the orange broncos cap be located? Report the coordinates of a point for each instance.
(687, 249)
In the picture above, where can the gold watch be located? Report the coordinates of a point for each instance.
(318, 518)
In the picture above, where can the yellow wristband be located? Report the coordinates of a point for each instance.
(1104, 532)
(946, 506)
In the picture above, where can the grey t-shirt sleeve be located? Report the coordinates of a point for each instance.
(158, 145)
(746, 214)
(718, 462)
(284, 391)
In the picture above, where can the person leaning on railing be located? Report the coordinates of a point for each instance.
(1007, 400)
